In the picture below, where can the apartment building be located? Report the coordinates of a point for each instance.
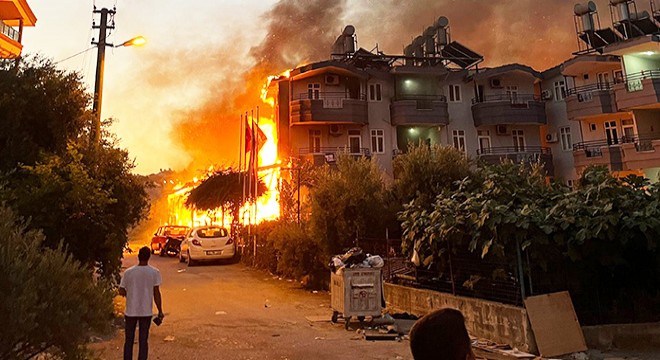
(600, 107)
(618, 108)
(376, 105)
(14, 16)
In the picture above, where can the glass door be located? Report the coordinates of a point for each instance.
(518, 140)
(611, 132)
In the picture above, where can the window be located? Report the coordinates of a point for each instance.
(604, 80)
(459, 140)
(611, 132)
(618, 76)
(560, 90)
(518, 140)
(628, 127)
(484, 141)
(354, 141)
(314, 91)
(375, 92)
(315, 141)
(454, 93)
(378, 141)
(512, 93)
(566, 142)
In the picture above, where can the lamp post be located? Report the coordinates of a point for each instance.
(100, 65)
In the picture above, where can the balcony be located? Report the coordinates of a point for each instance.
(512, 109)
(590, 100)
(328, 155)
(634, 153)
(9, 45)
(322, 108)
(639, 91)
(420, 110)
(527, 155)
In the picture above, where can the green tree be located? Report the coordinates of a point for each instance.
(424, 172)
(347, 202)
(42, 109)
(49, 301)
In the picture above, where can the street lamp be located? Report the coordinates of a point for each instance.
(100, 65)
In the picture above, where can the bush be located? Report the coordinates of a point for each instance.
(299, 256)
(49, 302)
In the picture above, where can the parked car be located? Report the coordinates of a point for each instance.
(207, 243)
(160, 236)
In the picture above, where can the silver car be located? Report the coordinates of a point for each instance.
(207, 243)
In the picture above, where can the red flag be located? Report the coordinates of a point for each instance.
(261, 138)
(248, 137)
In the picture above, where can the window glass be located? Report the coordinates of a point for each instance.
(454, 93)
(566, 142)
(211, 232)
(377, 141)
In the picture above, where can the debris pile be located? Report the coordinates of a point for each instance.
(355, 258)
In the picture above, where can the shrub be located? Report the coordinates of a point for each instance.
(300, 256)
(49, 302)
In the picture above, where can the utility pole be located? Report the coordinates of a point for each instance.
(100, 64)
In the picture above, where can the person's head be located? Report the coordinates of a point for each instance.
(441, 335)
(144, 254)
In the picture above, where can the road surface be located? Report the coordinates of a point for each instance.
(230, 311)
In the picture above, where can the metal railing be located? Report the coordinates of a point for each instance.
(633, 81)
(599, 86)
(507, 150)
(442, 98)
(9, 31)
(322, 95)
(334, 151)
(592, 148)
(512, 98)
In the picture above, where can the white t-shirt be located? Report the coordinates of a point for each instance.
(139, 282)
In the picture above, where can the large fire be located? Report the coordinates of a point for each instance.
(266, 207)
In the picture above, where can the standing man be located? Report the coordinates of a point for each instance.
(139, 285)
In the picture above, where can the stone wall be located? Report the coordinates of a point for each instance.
(490, 320)
(623, 336)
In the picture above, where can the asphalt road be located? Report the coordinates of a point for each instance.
(230, 311)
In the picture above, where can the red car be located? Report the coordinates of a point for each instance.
(160, 237)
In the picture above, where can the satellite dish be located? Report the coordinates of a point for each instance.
(442, 22)
(349, 30)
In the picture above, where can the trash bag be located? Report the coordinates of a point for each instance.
(336, 263)
(354, 256)
(375, 261)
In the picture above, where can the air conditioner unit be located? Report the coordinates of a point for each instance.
(335, 130)
(501, 130)
(332, 79)
(551, 137)
(546, 95)
(496, 83)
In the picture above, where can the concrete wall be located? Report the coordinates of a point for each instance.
(623, 336)
(485, 319)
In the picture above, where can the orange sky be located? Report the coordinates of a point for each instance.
(198, 52)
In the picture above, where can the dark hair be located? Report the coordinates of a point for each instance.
(144, 254)
(440, 335)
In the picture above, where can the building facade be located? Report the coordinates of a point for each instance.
(14, 16)
(597, 108)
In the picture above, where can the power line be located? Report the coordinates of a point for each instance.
(74, 55)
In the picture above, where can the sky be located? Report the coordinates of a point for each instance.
(182, 88)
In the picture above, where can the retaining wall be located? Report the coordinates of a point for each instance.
(490, 320)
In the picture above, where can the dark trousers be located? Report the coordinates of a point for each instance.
(143, 337)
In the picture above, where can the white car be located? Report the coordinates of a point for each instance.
(207, 243)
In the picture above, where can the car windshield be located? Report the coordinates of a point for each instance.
(176, 230)
(211, 232)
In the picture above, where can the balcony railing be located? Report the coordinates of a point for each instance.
(514, 99)
(335, 150)
(634, 81)
(508, 150)
(593, 148)
(588, 89)
(331, 100)
(9, 31)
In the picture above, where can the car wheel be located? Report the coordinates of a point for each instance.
(189, 260)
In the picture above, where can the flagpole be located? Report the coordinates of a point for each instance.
(240, 145)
